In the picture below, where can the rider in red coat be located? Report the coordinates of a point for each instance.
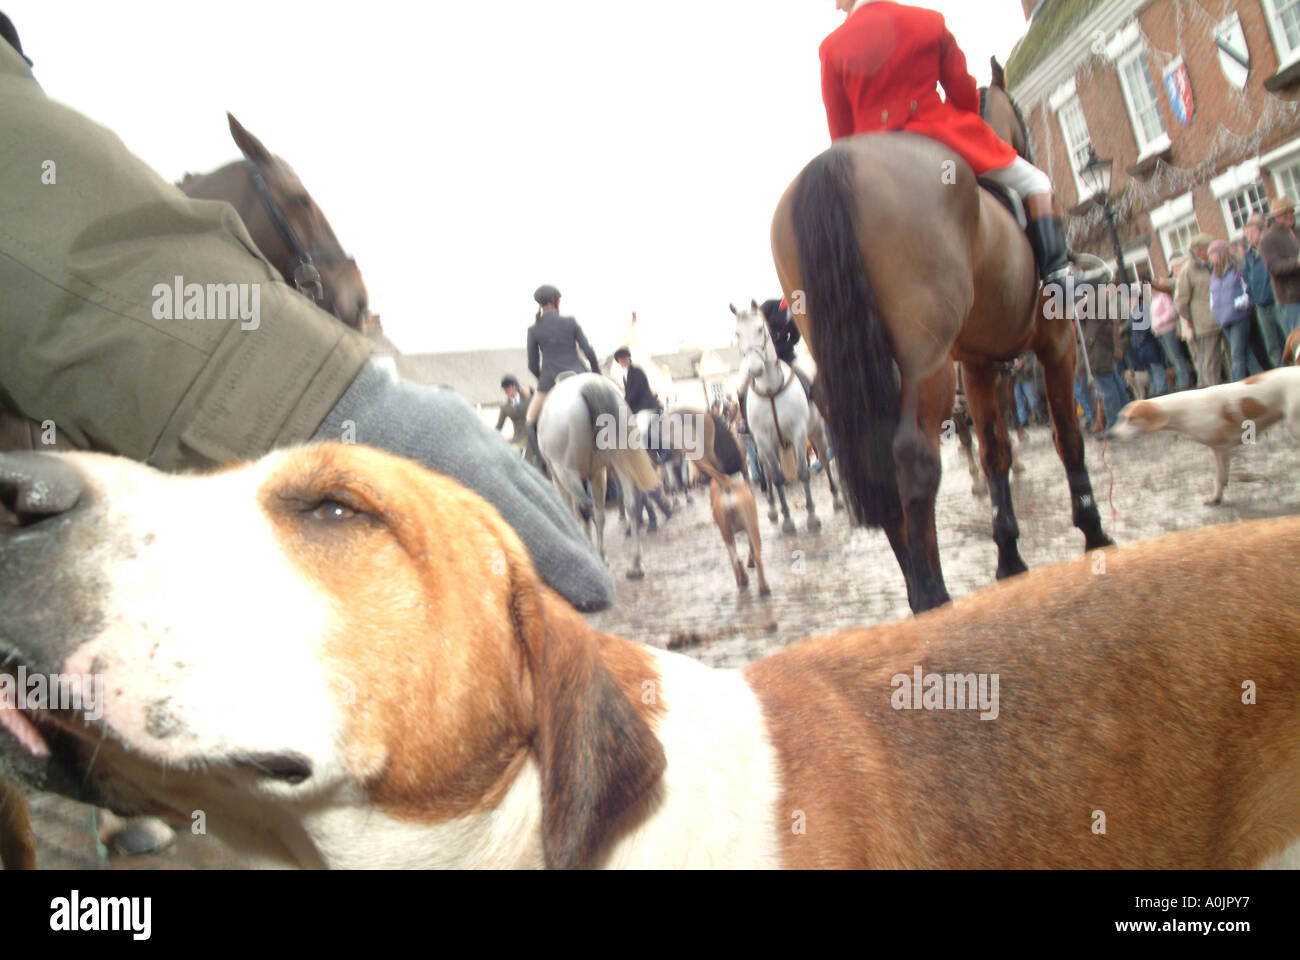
(879, 72)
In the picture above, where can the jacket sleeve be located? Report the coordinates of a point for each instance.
(839, 111)
(534, 364)
(501, 417)
(957, 82)
(1275, 257)
(586, 347)
(1183, 293)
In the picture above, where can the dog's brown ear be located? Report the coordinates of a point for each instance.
(1149, 416)
(598, 756)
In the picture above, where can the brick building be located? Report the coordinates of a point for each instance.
(1113, 75)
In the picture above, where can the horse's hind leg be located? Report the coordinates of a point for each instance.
(925, 405)
(629, 489)
(1055, 349)
(597, 482)
(822, 449)
(995, 453)
(961, 421)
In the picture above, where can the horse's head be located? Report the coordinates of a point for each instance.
(343, 290)
(756, 349)
(1001, 113)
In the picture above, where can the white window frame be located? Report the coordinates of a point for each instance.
(1189, 223)
(1132, 257)
(1082, 190)
(1286, 54)
(1235, 183)
(1160, 142)
(1225, 203)
(1284, 159)
(1172, 216)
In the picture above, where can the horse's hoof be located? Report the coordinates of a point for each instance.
(788, 527)
(636, 573)
(1013, 570)
(836, 506)
(653, 528)
(772, 517)
(1212, 501)
(751, 563)
(814, 524)
(764, 591)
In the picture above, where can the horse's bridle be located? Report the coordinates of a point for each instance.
(302, 267)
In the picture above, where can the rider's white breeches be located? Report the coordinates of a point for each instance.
(1022, 177)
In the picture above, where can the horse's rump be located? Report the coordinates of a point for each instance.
(603, 401)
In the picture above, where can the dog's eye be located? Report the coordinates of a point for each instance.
(332, 510)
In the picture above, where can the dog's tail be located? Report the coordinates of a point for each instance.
(606, 408)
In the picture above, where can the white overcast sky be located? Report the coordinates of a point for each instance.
(466, 151)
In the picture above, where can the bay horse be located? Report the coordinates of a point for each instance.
(286, 225)
(780, 417)
(584, 430)
(896, 262)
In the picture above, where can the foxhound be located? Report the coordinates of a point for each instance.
(1224, 417)
(336, 658)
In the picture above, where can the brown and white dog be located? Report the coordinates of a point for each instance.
(1291, 352)
(341, 659)
(735, 512)
(1222, 417)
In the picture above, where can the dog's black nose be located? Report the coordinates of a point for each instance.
(35, 487)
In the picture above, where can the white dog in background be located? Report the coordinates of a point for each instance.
(1222, 417)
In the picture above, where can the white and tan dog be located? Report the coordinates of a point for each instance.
(340, 659)
(1222, 417)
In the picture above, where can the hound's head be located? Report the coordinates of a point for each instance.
(1139, 417)
(324, 642)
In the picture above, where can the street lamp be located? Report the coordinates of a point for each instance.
(1096, 174)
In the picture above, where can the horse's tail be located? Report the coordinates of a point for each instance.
(632, 460)
(855, 362)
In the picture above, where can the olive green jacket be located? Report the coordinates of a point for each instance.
(1192, 297)
(89, 236)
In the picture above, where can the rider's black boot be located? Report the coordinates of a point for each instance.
(1047, 238)
(535, 451)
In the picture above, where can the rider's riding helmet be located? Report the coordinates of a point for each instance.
(546, 293)
(509, 381)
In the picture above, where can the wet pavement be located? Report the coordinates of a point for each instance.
(842, 576)
(845, 576)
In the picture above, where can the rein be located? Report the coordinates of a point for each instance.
(302, 267)
(771, 399)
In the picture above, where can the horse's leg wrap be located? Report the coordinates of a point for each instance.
(1083, 508)
(1006, 531)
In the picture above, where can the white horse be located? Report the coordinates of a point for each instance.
(586, 429)
(780, 418)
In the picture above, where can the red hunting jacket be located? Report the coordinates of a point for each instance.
(879, 71)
